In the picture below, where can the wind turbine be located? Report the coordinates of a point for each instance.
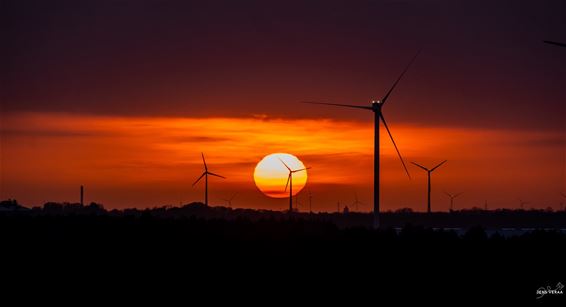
(428, 173)
(82, 195)
(452, 196)
(205, 175)
(523, 203)
(290, 182)
(297, 203)
(356, 202)
(310, 201)
(375, 106)
(229, 200)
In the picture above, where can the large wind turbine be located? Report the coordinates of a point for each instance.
(205, 175)
(375, 106)
(452, 196)
(428, 173)
(290, 183)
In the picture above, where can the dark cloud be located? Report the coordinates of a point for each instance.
(483, 62)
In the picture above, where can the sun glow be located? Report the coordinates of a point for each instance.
(271, 175)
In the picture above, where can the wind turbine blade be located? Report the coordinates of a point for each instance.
(438, 165)
(339, 105)
(288, 178)
(285, 164)
(426, 169)
(555, 43)
(199, 178)
(395, 145)
(399, 79)
(449, 195)
(302, 169)
(203, 161)
(213, 174)
(458, 194)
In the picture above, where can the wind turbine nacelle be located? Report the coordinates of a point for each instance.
(376, 105)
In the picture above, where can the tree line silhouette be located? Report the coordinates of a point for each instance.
(202, 241)
(465, 218)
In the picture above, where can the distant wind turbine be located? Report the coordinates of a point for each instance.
(375, 107)
(356, 202)
(290, 182)
(297, 203)
(523, 203)
(452, 196)
(428, 173)
(205, 175)
(310, 201)
(82, 195)
(229, 200)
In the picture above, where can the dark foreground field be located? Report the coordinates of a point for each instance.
(218, 247)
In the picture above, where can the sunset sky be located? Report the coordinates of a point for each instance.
(123, 96)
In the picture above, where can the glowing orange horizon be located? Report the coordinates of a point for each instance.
(145, 161)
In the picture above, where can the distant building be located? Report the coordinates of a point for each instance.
(11, 205)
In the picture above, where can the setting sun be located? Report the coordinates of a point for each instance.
(271, 175)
